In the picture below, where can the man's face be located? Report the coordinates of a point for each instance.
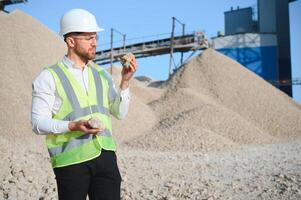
(85, 45)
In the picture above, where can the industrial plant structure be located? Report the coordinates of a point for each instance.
(262, 44)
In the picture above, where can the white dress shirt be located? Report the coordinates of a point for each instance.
(46, 101)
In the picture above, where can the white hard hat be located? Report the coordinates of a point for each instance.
(78, 20)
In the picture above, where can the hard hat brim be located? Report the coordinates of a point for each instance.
(82, 31)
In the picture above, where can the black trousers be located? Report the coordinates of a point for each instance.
(98, 178)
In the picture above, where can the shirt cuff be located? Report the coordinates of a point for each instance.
(124, 94)
(65, 126)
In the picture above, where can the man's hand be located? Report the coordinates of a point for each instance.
(127, 74)
(83, 126)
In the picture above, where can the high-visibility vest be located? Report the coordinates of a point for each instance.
(75, 146)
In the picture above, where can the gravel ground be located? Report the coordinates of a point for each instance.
(269, 171)
(266, 171)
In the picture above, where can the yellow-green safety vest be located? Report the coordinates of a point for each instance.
(75, 146)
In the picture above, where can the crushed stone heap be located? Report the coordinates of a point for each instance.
(213, 103)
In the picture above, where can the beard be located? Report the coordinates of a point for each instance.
(86, 55)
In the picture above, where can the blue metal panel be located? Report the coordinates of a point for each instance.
(260, 60)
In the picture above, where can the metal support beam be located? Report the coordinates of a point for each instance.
(183, 33)
(124, 38)
(171, 45)
(112, 52)
(171, 59)
(111, 55)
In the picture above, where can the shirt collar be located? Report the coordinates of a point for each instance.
(70, 64)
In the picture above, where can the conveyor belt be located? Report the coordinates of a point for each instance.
(191, 42)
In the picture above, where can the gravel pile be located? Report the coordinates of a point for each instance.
(26, 47)
(213, 103)
(213, 131)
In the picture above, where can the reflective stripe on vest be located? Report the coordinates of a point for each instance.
(60, 150)
(77, 110)
(74, 142)
(112, 91)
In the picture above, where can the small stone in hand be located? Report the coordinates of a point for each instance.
(126, 59)
(95, 123)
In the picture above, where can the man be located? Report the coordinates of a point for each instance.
(65, 96)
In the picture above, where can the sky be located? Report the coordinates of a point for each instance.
(149, 20)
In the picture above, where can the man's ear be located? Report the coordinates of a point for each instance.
(70, 41)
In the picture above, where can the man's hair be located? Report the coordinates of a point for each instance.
(70, 34)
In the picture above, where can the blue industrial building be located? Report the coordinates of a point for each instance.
(258, 52)
(263, 44)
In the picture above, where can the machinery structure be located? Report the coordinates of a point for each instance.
(190, 42)
(262, 45)
(4, 3)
